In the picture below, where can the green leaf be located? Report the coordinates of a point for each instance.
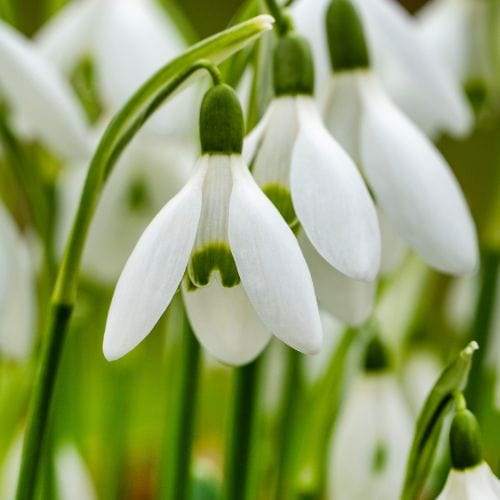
(438, 404)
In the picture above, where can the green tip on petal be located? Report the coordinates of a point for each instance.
(377, 357)
(282, 200)
(210, 258)
(346, 38)
(293, 68)
(465, 440)
(221, 121)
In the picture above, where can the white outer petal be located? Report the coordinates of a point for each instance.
(18, 298)
(225, 322)
(271, 266)
(72, 476)
(40, 97)
(66, 37)
(471, 484)
(394, 249)
(348, 300)
(331, 199)
(154, 269)
(417, 80)
(375, 411)
(415, 187)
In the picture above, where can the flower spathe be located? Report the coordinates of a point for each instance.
(43, 104)
(475, 483)
(238, 252)
(292, 152)
(412, 183)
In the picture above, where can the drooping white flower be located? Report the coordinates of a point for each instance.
(151, 170)
(42, 104)
(411, 181)
(371, 439)
(246, 276)
(17, 291)
(127, 41)
(411, 73)
(477, 483)
(457, 31)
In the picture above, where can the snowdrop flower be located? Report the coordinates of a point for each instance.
(239, 254)
(126, 41)
(411, 181)
(43, 105)
(312, 181)
(72, 477)
(457, 31)
(373, 435)
(470, 477)
(413, 76)
(17, 291)
(150, 171)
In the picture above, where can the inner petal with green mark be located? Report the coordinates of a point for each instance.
(282, 200)
(379, 460)
(211, 256)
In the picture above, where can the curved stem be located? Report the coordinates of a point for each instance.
(236, 479)
(283, 22)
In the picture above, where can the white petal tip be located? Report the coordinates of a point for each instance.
(471, 347)
(111, 352)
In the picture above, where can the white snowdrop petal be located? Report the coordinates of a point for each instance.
(73, 479)
(66, 37)
(39, 96)
(254, 138)
(415, 187)
(348, 300)
(394, 248)
(17, 292)
(417, 80)
(154, 269)
(225, 322)
(271, 266)
(471, 484)
(342, 110)
(331, 200)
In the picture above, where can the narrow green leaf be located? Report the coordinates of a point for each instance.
(429, 423)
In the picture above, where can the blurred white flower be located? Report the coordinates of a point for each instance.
(17, 291)
(477, 483)
(43, 105)
(72, 478)
(411, 181)
(151, 170)
(457, 31)
(412, 74)
(223, 230)
(127, 41)
(371, 440)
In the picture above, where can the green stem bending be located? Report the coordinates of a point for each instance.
(119, 133)
(481, 327)
(236, 478)
(181, 428)
(42, 397)
(283, 22)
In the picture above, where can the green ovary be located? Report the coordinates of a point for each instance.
(210, 258)
(282, 200)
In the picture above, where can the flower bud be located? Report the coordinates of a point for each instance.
(293, 66)
(221, 121)
(465, 441)
(377, 358)
(346, 38)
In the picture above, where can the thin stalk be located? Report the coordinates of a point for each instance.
(482, 326)
(238, 457)
(287, 414)
(38, 415)
(183, 411)
(283, 21)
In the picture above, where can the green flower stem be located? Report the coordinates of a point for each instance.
(181, 430)
(42, 397)
(482, 327)
(292, 386)
(283, 22)
(237, 468)
(119, 132)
